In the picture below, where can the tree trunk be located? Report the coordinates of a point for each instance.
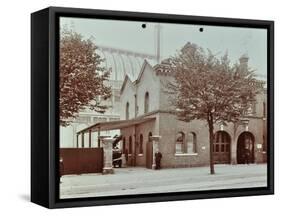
(211, 140)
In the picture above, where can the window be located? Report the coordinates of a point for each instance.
(222, 148)
(127, 110)
(217, 148)
(114, 119)
(130, 145)
(141, 145)
(149, 136)
(83, 119)
(191, 143)
(99, 119)
(180, 143)
(227, 149)
(146, 102)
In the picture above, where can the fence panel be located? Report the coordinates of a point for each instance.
(81, 160)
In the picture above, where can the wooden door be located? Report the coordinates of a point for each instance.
(149, 155)
(221, 150)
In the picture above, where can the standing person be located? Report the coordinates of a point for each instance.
(158, 157)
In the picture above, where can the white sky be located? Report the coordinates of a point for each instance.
(131, 36)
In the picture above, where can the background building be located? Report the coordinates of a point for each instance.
(121, 63)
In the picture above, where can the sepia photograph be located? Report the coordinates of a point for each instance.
(148, 107)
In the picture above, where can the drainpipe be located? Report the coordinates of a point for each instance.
(99, 137)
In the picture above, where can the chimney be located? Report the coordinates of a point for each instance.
(158, 42)
(244, 62)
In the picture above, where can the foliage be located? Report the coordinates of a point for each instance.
(207, 86)
(82, 79)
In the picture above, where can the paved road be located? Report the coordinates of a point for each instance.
(141, 180)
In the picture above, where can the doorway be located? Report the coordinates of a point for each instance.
(221, 148)
(245, 142)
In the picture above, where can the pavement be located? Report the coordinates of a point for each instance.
(138, 180)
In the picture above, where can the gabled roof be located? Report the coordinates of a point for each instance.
(127, 79)
(145, 63)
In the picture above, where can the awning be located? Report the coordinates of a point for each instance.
(114, 125)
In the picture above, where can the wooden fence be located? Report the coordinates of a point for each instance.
(81, 160)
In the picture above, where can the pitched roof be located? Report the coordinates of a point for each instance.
(145, 63)
(127, 78)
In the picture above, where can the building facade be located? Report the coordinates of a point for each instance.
(184, 144)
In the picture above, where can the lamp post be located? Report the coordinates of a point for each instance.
(155, 146)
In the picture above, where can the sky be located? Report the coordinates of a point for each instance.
(130, 35)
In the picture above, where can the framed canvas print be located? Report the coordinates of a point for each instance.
(139, 107)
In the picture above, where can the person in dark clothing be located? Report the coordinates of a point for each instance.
(158, 157)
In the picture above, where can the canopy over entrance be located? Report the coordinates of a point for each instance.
(114, 125)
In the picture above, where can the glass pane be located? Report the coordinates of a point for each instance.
(222, 147)
(227, 148)
(217, 148)
(178, 147)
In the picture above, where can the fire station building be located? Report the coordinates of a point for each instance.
(183, 144)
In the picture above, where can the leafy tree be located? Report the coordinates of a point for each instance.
(209, 88)
(82, 79)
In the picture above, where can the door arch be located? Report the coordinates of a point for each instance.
(221, 148)
(245, 140)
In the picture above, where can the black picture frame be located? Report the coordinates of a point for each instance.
(44, 107)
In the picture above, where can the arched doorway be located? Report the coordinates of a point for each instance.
(245, 141)
(149, 156)
(221, 148)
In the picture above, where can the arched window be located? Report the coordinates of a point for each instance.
(191, 143)
(180, 143)
(127, 110)
(146, 102)
(130, 145)
(124, 145)
(141, 145)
